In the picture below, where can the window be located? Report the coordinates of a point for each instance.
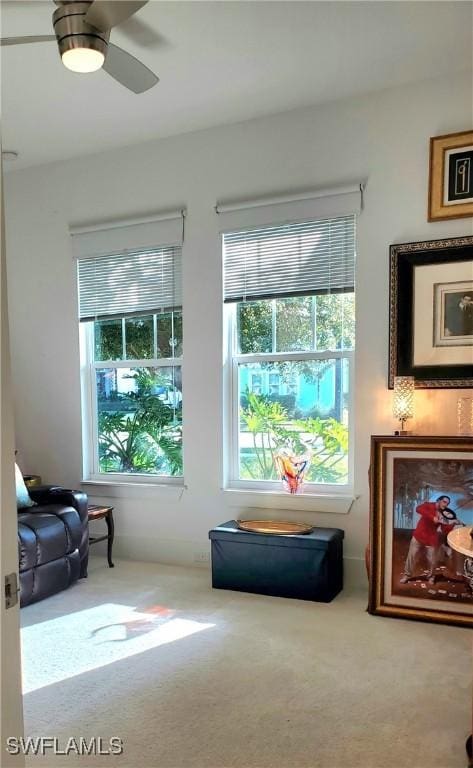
(131, 361)
(136, 395)
(274, 386)
(290, 299)
(256, 383)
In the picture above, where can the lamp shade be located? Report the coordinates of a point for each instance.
(403, 402)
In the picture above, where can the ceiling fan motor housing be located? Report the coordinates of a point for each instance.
(73, 32)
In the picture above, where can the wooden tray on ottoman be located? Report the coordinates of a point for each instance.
(277, 527)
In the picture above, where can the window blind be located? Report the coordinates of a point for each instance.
(299, 258)
(129, 267)
(129, 284)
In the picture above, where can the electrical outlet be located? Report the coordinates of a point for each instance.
(201, 557)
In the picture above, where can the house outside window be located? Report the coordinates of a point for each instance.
(256, 383)
(130, 310)
(292, 329)
(274, 383)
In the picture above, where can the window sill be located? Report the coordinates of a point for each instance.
(122, 490)
(307, 502)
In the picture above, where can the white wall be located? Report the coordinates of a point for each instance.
(384, 137)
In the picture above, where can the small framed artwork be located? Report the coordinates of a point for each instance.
(421, 491)
(451, 176)
(431, 313)
(453, 313)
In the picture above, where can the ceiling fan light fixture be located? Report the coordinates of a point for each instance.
(82, 32)
(83, 59)
(82, 47)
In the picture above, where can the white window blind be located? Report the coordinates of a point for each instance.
(131, 283)
(299, 258)
(129, 268)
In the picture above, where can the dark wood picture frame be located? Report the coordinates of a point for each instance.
(413, 350)
(442, 460)
(451, 176)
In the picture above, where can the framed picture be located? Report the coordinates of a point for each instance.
(451, 176)
(421, 490)
(431, 313)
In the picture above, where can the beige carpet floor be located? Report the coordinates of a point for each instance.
(190, 677)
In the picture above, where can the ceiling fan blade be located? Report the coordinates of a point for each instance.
(105, 14)
(30, 39)
(141, 33)
(128, 71)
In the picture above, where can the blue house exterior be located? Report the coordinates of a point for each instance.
(311, 398)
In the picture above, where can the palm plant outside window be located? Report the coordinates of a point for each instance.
(139, 395)
(291, 313)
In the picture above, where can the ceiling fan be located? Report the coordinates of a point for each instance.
(82, 31)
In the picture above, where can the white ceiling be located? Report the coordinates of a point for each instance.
(219, 62)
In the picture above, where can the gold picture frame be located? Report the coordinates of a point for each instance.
(409, 475)
(451, 176)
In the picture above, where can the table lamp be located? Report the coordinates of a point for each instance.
(403, 402)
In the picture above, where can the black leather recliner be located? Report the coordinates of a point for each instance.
(53, 542)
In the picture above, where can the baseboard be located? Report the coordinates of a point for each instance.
(197, 555)
(167, 551)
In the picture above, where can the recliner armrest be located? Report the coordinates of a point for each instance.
(55, 494)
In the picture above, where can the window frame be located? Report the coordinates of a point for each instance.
(89, 412)
(234, 359)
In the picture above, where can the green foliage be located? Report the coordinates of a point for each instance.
(169, 334)
(138, 432)
(335, 321)
(311, 370)
(272, 430)
(329, 441)
(265, 420)
(294, 324)
(149, 379)
(255, 326)
(139, 338)
(301, 323)
(148, 440)
(108, 340)
(319, 323)
(287, 402)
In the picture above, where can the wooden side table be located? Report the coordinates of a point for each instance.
(97, 512)
(31, 481)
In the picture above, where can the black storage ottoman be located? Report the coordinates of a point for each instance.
(305, 566)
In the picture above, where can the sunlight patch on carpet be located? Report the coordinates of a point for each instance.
(70, 645)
